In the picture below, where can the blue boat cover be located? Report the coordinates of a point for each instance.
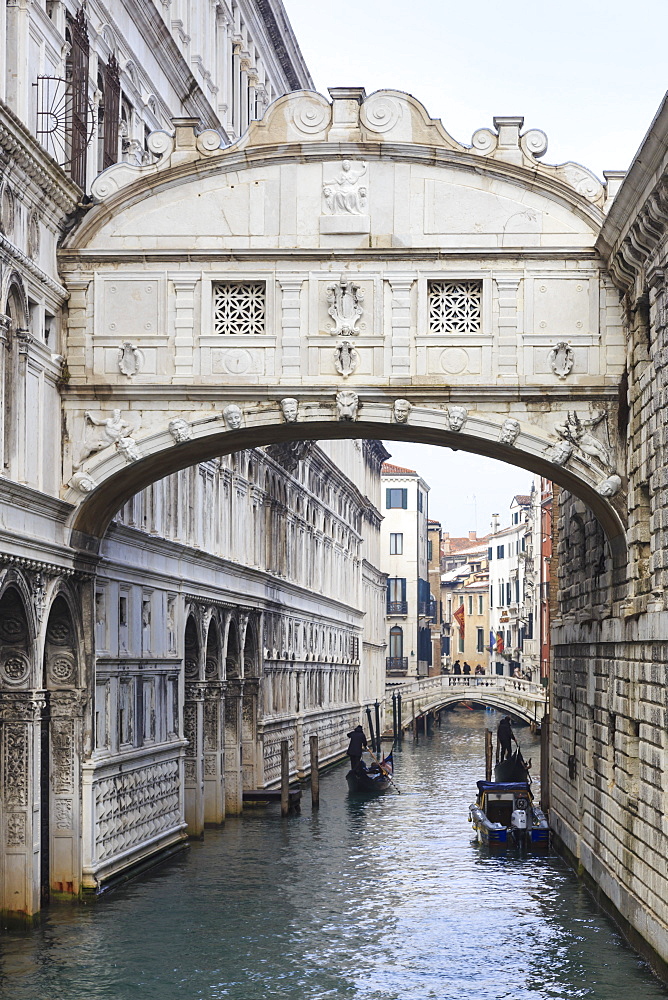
(503, 786)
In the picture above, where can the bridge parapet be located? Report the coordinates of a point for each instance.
(427, 694)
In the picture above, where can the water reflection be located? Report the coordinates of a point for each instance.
(367, 899)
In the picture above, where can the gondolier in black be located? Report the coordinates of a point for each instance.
(505, 736)
(356, 746)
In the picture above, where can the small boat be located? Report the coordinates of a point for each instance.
(504, 813)
(373, 779)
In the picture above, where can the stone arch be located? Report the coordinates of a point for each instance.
(114, 481)
(233, 718)
(61, 746)
(233, 664)
(17, 635)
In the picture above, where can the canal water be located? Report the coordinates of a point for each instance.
(384, 899)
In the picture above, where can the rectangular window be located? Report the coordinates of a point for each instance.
(396, 543)
(430, 550)
(461, 644)
(480, 641)
(396, 592)
(470, 605)
(454, 306)
(499, 552)
(396, 498)
(419, 500)
(122, 611)
(489, 552)
(509, 593)
(517, 591)
(239, 307)
(491, 596)
(480, 604)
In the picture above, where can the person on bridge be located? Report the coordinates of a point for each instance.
(467, 667)
(479, 669)
(505, 737)
(356, 746)
(456, 667)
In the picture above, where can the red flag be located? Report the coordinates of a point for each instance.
(499, 642)
(459, 618)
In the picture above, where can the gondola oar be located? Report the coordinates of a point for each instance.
(385, 772)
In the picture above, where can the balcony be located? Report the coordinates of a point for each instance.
(427, 609)
(396, 666)
(397, 608)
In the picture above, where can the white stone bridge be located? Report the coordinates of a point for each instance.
(521, 698)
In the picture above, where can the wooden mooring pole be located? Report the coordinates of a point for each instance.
(315, 773)
(488, 755)
(285, 777)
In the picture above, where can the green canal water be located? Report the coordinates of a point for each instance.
(384, 899)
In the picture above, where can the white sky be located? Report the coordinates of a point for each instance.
(591, 74)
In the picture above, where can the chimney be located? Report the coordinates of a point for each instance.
(495, 523)
(473, 536)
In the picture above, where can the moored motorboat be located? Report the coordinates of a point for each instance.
(373, 779)
(504, 813)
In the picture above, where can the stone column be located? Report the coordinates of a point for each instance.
(23, 342)
(291, 287)
(508, 352)
(66, 710)
(4, 347)
(250, 775)
(214, 775)
(401, 327)
(193, 731)
(17, 42)
(233, 729)
(184, 324)
(20, 725)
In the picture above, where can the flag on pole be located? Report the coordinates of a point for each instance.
(459, 618)
(500, 645)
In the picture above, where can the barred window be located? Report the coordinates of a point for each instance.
(455, 306)
(239, 307)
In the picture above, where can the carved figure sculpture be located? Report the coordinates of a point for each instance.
(345, 299)
(112, 429)
(577, 431)
(509, 431)
(457, 417)
(83, 482)
(344, 195)
(180, 430)
(233, 416)
(610, 486)
(346, 359)
(290, 408)
(560, 452)
(561, 359)
(402, 409)
(347, 404)
(130, 359)
(127, 447)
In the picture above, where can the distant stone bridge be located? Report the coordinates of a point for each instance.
(524, 699)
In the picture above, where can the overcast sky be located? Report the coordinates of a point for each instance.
(590, 74)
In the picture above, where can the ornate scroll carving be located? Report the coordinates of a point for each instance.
(345, 307)
(346, 359)
(130, 359)
(62, 753)
(16, 829)
(15, 756)
(561, 359)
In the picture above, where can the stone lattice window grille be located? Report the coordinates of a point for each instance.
(455, 306)
(239, 307)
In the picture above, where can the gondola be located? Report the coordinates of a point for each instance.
(371, 780)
